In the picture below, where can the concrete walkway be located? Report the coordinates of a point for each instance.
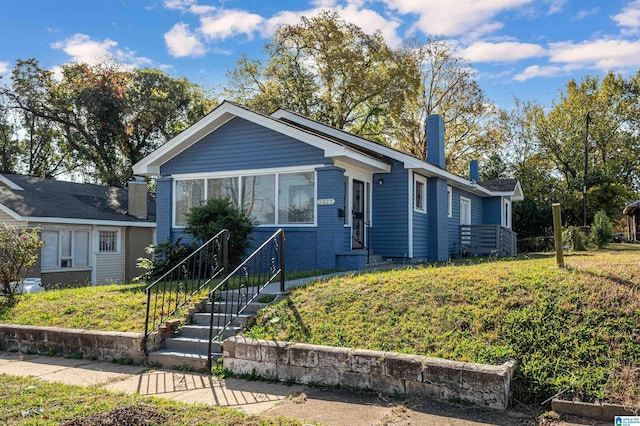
(326, 406)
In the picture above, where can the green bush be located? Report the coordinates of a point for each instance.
(164, 256)
(601, 233)
(574, 239)
(205, 221)
(18, 252)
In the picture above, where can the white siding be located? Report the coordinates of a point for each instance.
(5, 218)
(110, 266)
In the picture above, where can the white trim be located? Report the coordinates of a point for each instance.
(10, 212)
(506, 219)
(247, 172)
(449, 201)
(72, 230)
(118, 237)
(73, 221)
(94, 255)
(417, 178)
(11, 184)
(150, 165)
(468, 200)
(410, 213)
(240, 175)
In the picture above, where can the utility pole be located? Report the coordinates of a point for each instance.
(586, 164)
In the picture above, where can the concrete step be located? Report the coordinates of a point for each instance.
(204, 318)
(202, 332)
(188, 345)
(172, 359)
(251, 309)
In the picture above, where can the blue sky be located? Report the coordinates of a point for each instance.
(525, 48)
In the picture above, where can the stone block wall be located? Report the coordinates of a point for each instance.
(388, 372)
(102, 345)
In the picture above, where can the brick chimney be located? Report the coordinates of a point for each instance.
(137, 198)
(435, 140)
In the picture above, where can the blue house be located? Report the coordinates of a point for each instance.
(342, 199)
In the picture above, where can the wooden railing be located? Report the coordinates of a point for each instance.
(487, 240)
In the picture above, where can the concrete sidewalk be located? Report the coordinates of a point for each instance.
(326, 406)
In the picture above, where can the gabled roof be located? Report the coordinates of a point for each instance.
(32, 199)
(631, 208)
(335, 143)
(507, 186)
(150, 165)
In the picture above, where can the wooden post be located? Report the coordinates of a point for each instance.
(557, 233)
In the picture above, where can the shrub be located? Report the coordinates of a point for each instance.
(574, 238)
(601, 233)
(163, 257)
(18, 252)
(205, 221)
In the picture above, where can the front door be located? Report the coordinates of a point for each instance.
(358, 215)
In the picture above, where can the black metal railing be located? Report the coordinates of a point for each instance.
(244, 284)
(170, 292)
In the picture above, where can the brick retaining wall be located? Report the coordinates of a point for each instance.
(388, 372)
(102, 345)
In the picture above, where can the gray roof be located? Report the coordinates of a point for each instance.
(40, 198)
(499, 185)
(632, 207)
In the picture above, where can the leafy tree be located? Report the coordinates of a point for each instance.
(330, 71)
(18, 252)
(494, 168)
(108, 117)
(205, 221)
(449, 88)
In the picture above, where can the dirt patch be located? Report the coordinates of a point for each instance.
(135, 415)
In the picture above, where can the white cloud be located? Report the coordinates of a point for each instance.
(441, 17)
(502, 52)
(370, 21)
(539, 71)
(178, 4)
(182, 42)
(4, 67)
(228, 23)
(586, 13)
(598, 54)
(199, 9)
(82, 49)
(629, 18)
(555, 6)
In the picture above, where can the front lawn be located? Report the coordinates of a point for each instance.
(27, 401)
(574, 328)
(107, 308)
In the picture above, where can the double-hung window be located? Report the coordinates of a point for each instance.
(65, 249)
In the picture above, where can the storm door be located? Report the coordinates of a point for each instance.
(358, 215)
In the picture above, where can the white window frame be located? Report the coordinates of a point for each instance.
(449, 201)
(506, 213)
(465, 200)
(422, 180)
(73, 266)
(241, 174)
(118, 236)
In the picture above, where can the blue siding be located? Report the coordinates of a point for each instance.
(300, 246)
(163, 209)
(240, 145)
(492, 214)
(420, 226)
(477, 208)
(438, 221)
(330, 225)
(390, 214)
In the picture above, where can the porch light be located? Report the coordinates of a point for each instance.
(380, 181)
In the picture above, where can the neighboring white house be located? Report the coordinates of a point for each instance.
(93, 234)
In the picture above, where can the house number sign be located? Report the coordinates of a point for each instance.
(326, 201)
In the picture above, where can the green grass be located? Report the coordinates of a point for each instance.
(27, 401)
(109, 308)
(576, 327)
